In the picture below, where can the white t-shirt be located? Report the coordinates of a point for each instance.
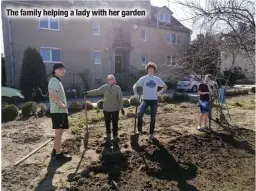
(150, 85)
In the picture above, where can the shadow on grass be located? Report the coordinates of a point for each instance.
(169, 168)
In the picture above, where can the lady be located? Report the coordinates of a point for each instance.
(113, 103)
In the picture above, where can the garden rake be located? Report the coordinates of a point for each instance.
(86, 134)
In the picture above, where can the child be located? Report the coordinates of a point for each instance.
(113, 103)
(149, 84)
(204, 91)
(58, 109)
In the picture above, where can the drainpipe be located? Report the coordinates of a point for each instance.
(10, 49)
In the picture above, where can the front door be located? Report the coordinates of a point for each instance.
(118, 64)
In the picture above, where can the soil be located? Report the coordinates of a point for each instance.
(181, 159)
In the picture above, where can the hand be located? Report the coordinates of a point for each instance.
(63, 106)
(158, 94)
(123, 112)
(137, 96)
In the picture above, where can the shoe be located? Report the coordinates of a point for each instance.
(152, 137)
(138, 132)
(63, 157)
(199, 128)
(53, 152)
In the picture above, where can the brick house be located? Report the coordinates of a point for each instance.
(102, 45)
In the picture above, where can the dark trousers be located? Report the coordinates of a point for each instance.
(153, 104)
(111, 117)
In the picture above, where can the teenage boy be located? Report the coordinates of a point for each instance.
(149, 84)
(204, 90)
(58, 110)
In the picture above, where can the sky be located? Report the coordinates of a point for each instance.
(176, 9)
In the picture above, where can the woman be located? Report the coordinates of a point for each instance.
(113, 103)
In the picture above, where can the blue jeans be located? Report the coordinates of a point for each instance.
(143, 107)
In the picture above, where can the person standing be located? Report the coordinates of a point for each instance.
(58, 110)
(113, 104)
(149, 84)
(204, 90)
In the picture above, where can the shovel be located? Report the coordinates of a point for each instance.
(135, 118)
(86, 134)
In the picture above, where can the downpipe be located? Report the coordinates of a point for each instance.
(10, 50)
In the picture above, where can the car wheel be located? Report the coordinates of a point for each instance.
(6, 101)
(194, 88)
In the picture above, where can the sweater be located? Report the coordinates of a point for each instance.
(113, 98)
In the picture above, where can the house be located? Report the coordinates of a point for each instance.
(104, 45)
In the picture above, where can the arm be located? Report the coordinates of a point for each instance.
(53, 87)
(120, 98)
(163, 85)
(96, 92)
(137, 84)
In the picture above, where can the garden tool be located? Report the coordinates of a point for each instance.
(86, 134)
(135, 117)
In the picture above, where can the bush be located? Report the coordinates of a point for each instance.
(9, 112)
(88, 105)
(180, 97)
(33, 73)
(166, 98)
(41, 110)
(29, 109)
(134, 101)
(160, 99)
(253, 90)
(126, 102)
(233, 93)
(75, 106)
(100, 104)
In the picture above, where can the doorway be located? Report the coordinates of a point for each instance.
(118, 64)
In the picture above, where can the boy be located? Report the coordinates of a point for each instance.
(58, 110)
(149, 84)
(204, 91)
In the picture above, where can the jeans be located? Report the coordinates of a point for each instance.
(143, 107)
(114, 117)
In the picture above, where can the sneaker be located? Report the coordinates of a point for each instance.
(199, 128)
(53, 152)
(138, 132)
(63, 157)
(152, 137)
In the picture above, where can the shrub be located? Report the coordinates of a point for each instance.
(180, 97)
(88, 105)
(126, 102)
(75, 106)
(33, 73)
(253, 90)
(9, 112)
(100, 104)
(134, 101)
(29, 109)
(166, 98)
(160, 99)
(41, 110)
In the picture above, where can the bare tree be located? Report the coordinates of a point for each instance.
(233, 19)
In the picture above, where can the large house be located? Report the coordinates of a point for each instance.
(102, 45)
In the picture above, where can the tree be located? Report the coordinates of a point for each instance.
(202, 57)
(233, 19)
(33, 73)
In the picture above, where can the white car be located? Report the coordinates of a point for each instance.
(188, 84)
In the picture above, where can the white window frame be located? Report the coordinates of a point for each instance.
(51, 48)
(165, 17)
(49, 24)
(146, 58)
(171, 61)
(96, 34)
(145, 35)
(93, 56)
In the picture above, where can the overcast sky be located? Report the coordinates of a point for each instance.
(176, 9)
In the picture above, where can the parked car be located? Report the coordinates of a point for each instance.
(11, 96)
(188, 84)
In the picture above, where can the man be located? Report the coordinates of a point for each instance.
(58, 110)
(204, 90)
(149, 84)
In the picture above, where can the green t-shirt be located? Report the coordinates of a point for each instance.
(55, 84)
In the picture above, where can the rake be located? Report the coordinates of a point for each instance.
(86, 134)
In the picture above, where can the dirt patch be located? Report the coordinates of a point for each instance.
(26, 137)
(72, 145)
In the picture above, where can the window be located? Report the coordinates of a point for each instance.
(95, 29)
(174, 39)
(171, 60)
(169, 37)
(144, 59)
(50, 55)
(164, 17)
(143, 34)
(96, 57)
(49, 23)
